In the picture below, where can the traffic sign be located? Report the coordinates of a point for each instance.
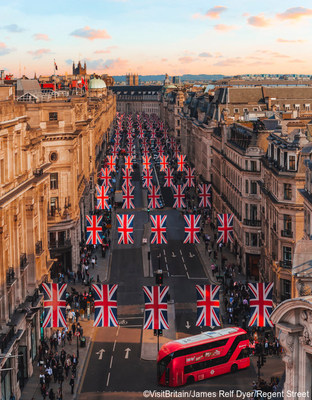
(77, 333)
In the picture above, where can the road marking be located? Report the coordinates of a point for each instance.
(117, 330)
(127, 350)
(181, 252)
(187, 325)
(114, 344)
(165, 259)
(185, 267)
(167, 266)
(198, 278)
(139, 317)
(134, 326)
(183, 259)
(188, 277)
(172, 254)
(108, 376)
(178, 276)
(164, 252)
(111, 362)
(100, 353)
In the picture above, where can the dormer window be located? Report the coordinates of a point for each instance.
(292, 163)
(307, 107)
(287, 107)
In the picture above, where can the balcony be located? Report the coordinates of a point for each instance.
(23, 262)
(286, 233)
(5, 339)
(10, 277)
(58, 244)
(38, 248)
(285, 264)
(252, 222)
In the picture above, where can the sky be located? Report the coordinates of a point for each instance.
(156, 36)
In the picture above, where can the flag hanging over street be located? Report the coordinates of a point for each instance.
(156, 307)
(146, 162)
(192, 228)
(126, 177)
(179, 196)
(190, 176)
(208, 311)
(163, 163)
(102, 197)
(260, 303)
(94, 229)
(158, 229)
(168, 178)
(105, 305)
(147, 178)
(205, 195)
(225, 228)
(154, 197)
(181, 162)
(54, 305)
(125, 228)
(129, 162)
(105, 175)
(128, 196)
(111, 162)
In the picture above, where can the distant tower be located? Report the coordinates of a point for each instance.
(167, 80)
(132, 79)
(79, 70)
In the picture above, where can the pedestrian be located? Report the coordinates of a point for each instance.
(72, 382)
(12, 397)
(51, 394)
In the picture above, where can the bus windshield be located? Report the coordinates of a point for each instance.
(162, 365)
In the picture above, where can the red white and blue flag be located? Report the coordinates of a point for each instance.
(94, 229)
(163, 163)
(208, 305)
(154, 197)
(156, 307)
(126, 177)
(260, 303)
(205, 195)
(189, 176)
(146, 162)
(125, 228)
(168, 178)
(158, 229)
(102, 197)
(192, 228)
(111, 163)
(181, 162)
(54, 305)
(129, 163)
(128, 196)
(178, 196)
(105, 305)
(225, 228)
(147, 178)
(105, 175)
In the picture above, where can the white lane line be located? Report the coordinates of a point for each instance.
(111, 362)
(183, 259)
(114, 345)
(185, 267)
(164, 252)
(134, 317)
(178, 276)
(165, 259)
(181, 252)
(108, 376)
(188, 277)
(117, 330)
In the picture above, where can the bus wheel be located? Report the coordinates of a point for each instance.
(190, 380)
(234, 368)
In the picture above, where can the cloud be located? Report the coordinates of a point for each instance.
(215, 12)
(4, 50)
(13, 28)
(295, 13)
(259, 21)
(224, 28)
(297, 60)
(187, 59)
(229, 62)
(164, 59)
(280, 40)
(90, 34)
(39, 53)
(205, 55)
(41, 36)
(100, 64)
(106, 51)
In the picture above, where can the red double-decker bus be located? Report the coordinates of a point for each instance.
(202, 356)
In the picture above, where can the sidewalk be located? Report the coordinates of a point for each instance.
(32, 387)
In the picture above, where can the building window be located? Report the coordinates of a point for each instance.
(54, 181)
(246, 211)
(287, 223)
(286, 289)
(253, 212)
(253, 166)
(53, 156)
(253, 187)
(246, 165)
(286, 254)
(247, 238)
(236, 110)
(287, 191)
(247, 186)
(53, 205)
(254, 239)
(307, 107)
(53, 116)
(292, 163)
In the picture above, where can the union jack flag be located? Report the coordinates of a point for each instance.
(192, 228)
(126, 177)
(208, 312)
(156, 314)
(105, 175)
(127, 196)
(225, 228)
(154, 197)
(54, 305)
(130, 151)
(147, 178)
(179, 196)
(181, 162)
(190, 176)
(158, 229)
(115, 151)
(125, 228)
(111, 162)
(261, 304)
(168, 178)
(102, 197)
(146, 162)
(94, 229)
(163, 163)
(205, 195)
(105, 305)
(161, 151)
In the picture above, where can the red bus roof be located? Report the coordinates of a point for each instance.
(202, 338)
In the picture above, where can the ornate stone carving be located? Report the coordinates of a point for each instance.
(304, 288)
(306, 321)
(287, 342)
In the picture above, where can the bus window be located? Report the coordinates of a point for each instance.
(162, 365)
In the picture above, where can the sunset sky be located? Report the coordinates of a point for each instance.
(156, 36)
